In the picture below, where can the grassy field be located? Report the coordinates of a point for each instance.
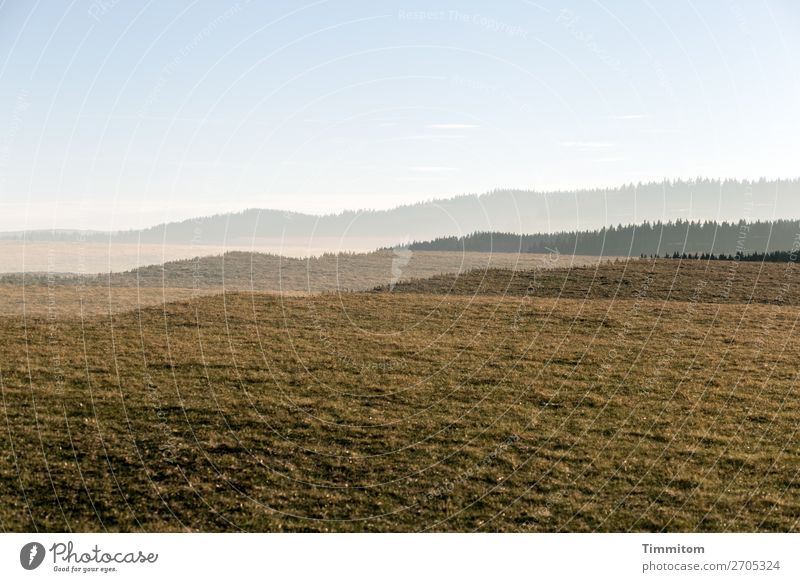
(333, 272)
(80, 301)
(71, 295)
(662, 280)
(409, 411)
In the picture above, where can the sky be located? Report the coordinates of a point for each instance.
(122, 114)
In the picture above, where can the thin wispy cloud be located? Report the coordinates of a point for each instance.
(432, 137)
(667, 130)
(586, 145)
(453, 126)
(630, 116)
(433, 169)
(422, 179)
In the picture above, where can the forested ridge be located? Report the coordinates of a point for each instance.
(647, 238)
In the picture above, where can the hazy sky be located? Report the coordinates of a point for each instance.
(121, 113)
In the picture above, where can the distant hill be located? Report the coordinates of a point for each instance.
(649, 238)
(509, 211)
(245, 271)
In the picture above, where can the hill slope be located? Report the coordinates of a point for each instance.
(265, 272)
(634, 279)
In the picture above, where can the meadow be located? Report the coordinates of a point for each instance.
(56, 295)
(489, 401)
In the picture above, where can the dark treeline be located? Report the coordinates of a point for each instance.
(648, 238)
(771, 257)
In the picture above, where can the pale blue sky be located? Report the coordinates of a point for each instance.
(122, 113)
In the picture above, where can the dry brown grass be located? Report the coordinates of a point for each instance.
(347, 272)
(384, 412)
(663, 279)
(74, 302)
(41, 295)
